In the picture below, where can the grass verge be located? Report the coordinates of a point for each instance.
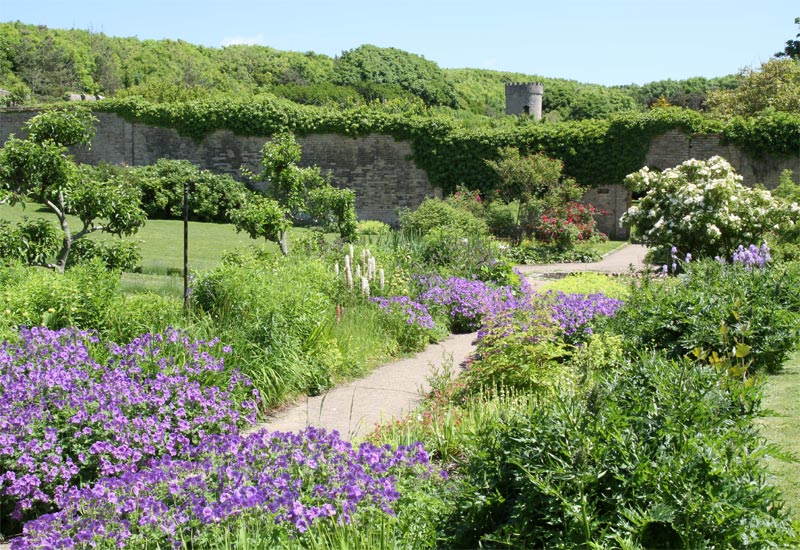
(781, 426)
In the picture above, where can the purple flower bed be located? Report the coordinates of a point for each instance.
(574, 312)
(467, 301)
(414, 312)
(294, 479)
(73, 410)
(752, 256)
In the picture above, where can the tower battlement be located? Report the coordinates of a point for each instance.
(524, 98)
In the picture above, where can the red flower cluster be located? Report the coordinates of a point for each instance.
(572, 217)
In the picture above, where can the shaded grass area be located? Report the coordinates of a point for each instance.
(781, 426)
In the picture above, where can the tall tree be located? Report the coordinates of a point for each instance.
(792, 48)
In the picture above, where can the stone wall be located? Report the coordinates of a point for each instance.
(377, 167)
(674, 147)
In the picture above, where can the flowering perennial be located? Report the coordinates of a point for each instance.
(294, 479)
(467, 301)
(414, 312)
(67, 417)
(752, 256)
(574, 312)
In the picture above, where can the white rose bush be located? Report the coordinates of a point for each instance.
(701, 207)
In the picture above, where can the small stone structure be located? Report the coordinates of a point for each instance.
(524, 99)
(83, 97)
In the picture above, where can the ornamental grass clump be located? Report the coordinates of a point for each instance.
(283, 483)
(73, 410)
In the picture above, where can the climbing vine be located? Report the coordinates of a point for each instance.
(594, 152)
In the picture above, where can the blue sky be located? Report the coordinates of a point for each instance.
(604, 42)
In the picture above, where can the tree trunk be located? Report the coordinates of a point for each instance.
(63, 254)
(284, 243)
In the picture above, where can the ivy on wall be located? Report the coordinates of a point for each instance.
(594, 152)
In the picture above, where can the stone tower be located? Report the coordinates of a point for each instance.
(524, 98)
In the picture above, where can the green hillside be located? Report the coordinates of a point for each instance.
(40, 65)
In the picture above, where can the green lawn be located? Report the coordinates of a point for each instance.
(607, 247)
(161, 241)
(781, 426)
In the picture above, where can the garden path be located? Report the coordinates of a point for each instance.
(395, 388)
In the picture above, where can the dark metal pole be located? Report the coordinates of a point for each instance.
(185, 246)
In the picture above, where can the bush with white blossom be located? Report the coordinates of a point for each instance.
(702, 207)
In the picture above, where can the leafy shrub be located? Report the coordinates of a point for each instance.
(36, 297)
(613, 465)
(116, 255)
(714, 307)
(211, 196)
(533, 252)
(31, 241)
(568, 223)
(467, 199)
(699, 207)
(501, 217)
(373, 227)
(436, 213)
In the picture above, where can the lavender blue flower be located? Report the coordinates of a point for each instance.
(295, 479)
(67, 417)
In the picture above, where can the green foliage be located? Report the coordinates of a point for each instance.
(34, 297)
(411, 72)
(501, 217)
(372, 227)
(298, 193)
(260, 217)
(786, 240)
(211, 196)
(690, 93)
(117, 255)
(588, 283)
(613, 465)
(436, 213)
(74, 126)
(535, 252)
(775, 87)
(38, 169)
(699, 207)
(792, 49)
(334, 209)
(520, 355)
(715, 307)
(450, 250)
(31, 241)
